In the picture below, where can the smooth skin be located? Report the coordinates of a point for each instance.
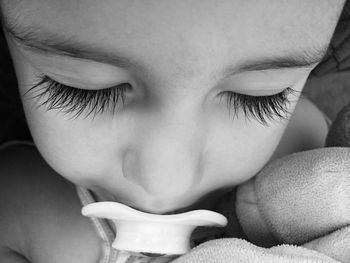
(173, 141)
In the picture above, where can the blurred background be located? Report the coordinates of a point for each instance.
(328, 86)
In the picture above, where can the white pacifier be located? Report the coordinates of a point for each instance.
(150, 234)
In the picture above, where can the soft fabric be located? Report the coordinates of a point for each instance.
(234, 250)
(297, 198)
(335, 245)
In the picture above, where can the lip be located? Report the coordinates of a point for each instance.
(181, 210)
(170, 212)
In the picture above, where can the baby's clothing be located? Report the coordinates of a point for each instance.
(104, 230)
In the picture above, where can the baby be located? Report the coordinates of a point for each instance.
(158, 105)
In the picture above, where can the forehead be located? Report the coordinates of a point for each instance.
(182, 28)
(298, 14)
(284, 19)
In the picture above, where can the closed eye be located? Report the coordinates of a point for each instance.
(260, 108)
(55, 95)
(74, 100)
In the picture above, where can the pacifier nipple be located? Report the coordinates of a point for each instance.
(148, 234)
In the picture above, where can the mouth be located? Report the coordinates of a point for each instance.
(181, 210)
(171, 212)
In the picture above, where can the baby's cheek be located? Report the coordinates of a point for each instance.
(244, 153)
(62, 144)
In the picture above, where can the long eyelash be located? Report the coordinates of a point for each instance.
(260, 108)
(68, 99)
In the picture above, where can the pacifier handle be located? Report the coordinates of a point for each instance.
(146, 233)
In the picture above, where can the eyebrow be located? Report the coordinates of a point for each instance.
(37, 40)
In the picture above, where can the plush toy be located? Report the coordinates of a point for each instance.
(297, 209)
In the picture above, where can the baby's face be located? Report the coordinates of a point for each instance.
(166, 101)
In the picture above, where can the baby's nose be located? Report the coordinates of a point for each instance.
(164, 165)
